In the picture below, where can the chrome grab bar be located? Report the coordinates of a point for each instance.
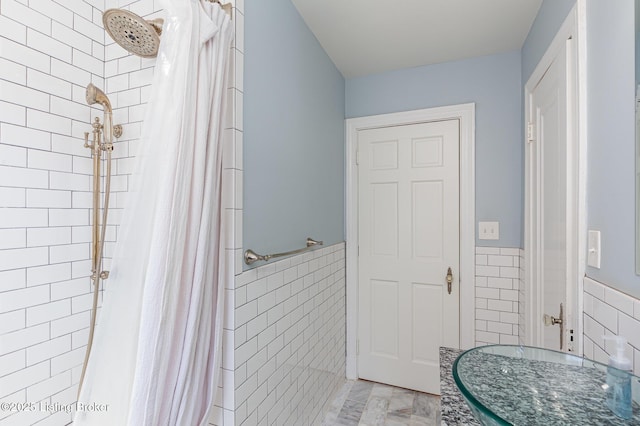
(251, 256)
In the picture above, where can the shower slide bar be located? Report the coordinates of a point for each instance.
(251, 256)
(103, 134)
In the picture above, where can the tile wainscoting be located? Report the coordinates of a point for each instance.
(500, 307)
(609, 312)
(498, 286)
(286, 353)
(284, 311)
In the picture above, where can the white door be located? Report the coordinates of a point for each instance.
(408, 232)
(551, 204)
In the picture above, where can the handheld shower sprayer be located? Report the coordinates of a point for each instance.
(95, 95)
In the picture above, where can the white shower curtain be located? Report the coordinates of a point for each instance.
(156, 355)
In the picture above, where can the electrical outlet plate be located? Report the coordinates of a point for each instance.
(488, 230)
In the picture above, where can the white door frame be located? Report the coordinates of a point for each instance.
(465, 113)
(574, 28)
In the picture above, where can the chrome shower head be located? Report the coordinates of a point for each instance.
(132, 32)
(95, 95)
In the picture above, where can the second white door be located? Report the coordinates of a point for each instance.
(552, 207)
(409, 238)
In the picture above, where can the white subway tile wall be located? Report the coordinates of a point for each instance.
(498, 283)
(607, 312)
(50, 50)
(46, 60)
(289, 339)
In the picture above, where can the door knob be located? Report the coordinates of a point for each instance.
(549, 320)
(449, 279)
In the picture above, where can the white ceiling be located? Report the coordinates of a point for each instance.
(373, 36)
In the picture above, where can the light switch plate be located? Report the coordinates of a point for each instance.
(593, 256)
(488, 230)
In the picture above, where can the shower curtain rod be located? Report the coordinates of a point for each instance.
(226, 6)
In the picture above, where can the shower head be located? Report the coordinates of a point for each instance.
(132, 32)
(95, 95)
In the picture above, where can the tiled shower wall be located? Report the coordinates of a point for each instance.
(49, 51)
(608, 312)
(498, 283)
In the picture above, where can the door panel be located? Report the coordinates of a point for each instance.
(384, 318)
(385, 219)
(427, 152)
(424, 351)
(408, 228)
(427, 221)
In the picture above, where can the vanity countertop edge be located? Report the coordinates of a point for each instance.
(453, 408)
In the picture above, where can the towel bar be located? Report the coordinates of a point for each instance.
(251, 256)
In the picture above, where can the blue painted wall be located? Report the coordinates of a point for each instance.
(293, 133)
(494, 84)
(611, 134)
(610, 127)
(295, 102)
(550, 17)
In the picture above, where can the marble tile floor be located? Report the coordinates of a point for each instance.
(366, 403)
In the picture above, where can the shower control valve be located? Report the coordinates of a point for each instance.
(97, 126)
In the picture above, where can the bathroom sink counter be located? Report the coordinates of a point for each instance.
(536, 386)
(454, 410)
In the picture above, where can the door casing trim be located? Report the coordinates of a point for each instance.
(465, 113)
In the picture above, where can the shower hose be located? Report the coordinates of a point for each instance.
(98, 272)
